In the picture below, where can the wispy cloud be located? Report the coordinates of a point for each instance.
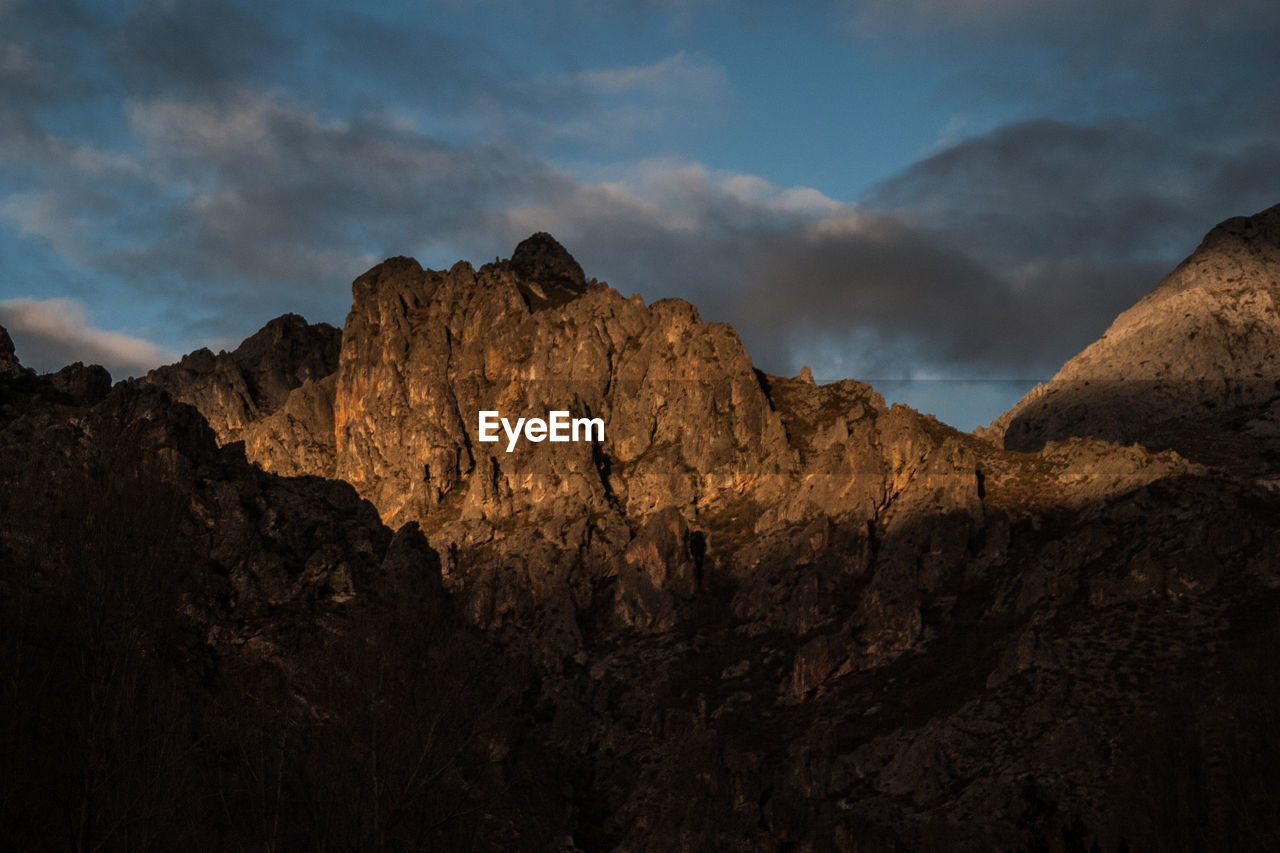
(679, 75)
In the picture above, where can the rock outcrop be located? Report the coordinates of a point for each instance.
(1194, 365)
(547, 274)
(274, 392)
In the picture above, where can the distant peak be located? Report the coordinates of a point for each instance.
(541, 259)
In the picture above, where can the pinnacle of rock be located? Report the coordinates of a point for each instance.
(549, 274)
(541, 258)
(238, 389)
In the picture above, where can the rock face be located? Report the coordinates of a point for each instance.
(1195, 365)
(733, 459)
(757, 614)
(88, 383)
(274, 392)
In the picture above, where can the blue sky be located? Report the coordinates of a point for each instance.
(950, 191)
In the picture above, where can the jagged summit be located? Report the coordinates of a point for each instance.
(549, 274)
(541, 258)
(238, 390)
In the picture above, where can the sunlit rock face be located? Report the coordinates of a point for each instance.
(686, 421)
(709, 472)
(698, 448)
(1194, 365)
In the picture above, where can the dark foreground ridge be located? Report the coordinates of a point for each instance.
(283, 598)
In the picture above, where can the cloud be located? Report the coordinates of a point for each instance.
(1001, 256)
(1082, 59)
(621, 109)
(50, 333)
(797, 273)
(1079, 221)
(270, 193)
(679, 75)
(196, 47)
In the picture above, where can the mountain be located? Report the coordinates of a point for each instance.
(286, 597)
(1193, 366)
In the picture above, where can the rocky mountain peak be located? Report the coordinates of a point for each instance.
(386, 274)
(1239, 256)
(548, 274)
(540, 258)
(1256, 232)
(235, 390)
(1192, 366)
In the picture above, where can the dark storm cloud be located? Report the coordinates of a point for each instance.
(1148, 122)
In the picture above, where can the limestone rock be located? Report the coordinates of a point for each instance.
(297, 438)
(1193, 366)
(686, 423)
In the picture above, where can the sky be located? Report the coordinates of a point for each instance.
(947, 198)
